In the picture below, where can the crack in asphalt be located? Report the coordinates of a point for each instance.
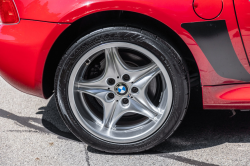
(184, 159)
(87, 155)
(22, 131)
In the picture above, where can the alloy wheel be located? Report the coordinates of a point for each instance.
(123, 100)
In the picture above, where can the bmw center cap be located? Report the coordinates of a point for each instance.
(121, 89)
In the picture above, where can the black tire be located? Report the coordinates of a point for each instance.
(171, 60)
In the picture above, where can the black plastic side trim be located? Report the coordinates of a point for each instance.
(213, 39)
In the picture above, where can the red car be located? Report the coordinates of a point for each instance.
(122, 70)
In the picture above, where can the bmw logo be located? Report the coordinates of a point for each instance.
(121, 89)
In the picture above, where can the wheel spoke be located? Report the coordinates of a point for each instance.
(137, 107)
(108, 105)
(133, 107)
(121, 66)
(139, 72)
(144, 79)
(95, 90)
(111, 116)
(115, 64)
(148, 73)
(143, 100)
(108, 111)
(110, 69)
(92, 84)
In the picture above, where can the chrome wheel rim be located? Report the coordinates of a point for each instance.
(124, 98)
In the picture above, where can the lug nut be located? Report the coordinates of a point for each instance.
(134, 90)
(111, 81)
(111, 95)
(125, 101)
(126, 77)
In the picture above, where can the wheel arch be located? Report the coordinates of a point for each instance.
(103, 19)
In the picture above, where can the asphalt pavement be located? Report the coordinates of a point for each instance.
(32, 133)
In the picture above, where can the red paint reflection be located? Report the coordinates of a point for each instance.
(242, 93)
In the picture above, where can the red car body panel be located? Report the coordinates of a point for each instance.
(24, 48)
(42, 21)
